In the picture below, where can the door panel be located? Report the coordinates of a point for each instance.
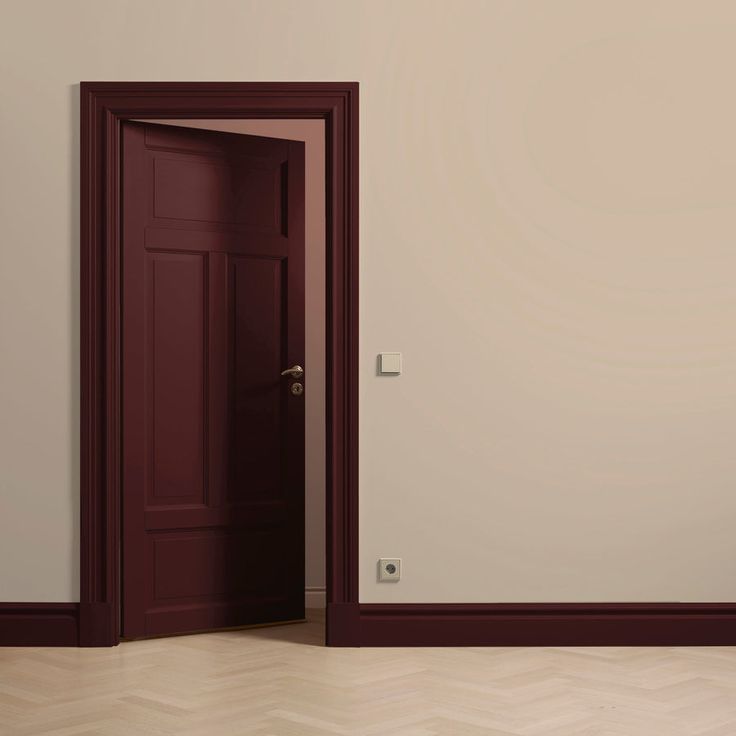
(213, 439)
(175, 377)
(257, 288)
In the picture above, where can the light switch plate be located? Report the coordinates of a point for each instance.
(389, 363)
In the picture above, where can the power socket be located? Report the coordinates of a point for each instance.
(389, 570)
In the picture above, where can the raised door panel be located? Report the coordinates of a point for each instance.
(192, 189)
(201, 189)
(211, 563)
(225, 184)
(175, 377)
(258, 394)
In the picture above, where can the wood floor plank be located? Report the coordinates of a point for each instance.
(284, 682)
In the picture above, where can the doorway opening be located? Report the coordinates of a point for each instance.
(180, 556)
(223, 354)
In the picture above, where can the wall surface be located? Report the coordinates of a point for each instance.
(548, 218)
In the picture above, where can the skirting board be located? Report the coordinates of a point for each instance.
(39, 624)
(315, 597)
(543, 624)
(59, 624)
(457, 624)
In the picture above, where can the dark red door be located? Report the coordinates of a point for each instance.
(213, 435)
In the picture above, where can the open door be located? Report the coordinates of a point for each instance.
(213, 430)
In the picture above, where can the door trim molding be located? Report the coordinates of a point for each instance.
(104, 106)
(539, 624)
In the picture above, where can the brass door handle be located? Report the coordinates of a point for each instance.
(296, 371)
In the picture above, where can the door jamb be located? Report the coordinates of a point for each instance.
(104, 106)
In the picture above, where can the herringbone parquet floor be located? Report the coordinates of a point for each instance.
(282, 682)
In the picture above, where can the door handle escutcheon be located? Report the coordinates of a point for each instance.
(296, 371)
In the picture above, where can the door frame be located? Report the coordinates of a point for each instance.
(104, 106)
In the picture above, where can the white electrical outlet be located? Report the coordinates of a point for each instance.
(389, 570)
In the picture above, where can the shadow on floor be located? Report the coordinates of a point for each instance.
(309, 633)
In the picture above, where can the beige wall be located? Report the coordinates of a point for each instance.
(548, 219)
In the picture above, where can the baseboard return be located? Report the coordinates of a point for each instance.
(315, 597)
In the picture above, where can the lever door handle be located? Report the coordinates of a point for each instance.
(296, 371)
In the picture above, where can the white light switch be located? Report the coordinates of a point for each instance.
(389, 363)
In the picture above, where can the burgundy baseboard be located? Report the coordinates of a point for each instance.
(98, 625)
(544, 624)
(343, 625)
(426, 624)
(39, 624)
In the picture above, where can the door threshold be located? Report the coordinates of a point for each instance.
(242, 627)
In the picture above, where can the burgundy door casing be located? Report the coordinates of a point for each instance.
(213, 435)
(105, 106)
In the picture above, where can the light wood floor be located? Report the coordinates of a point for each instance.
(283, 682)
